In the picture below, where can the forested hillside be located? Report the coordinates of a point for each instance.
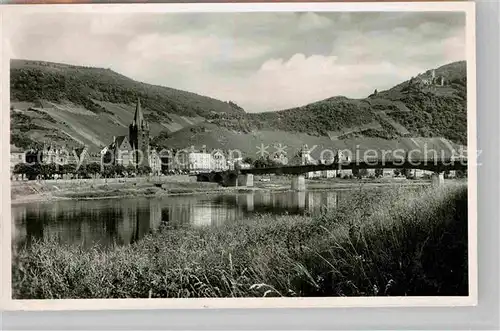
(33, 80)
(76, 105)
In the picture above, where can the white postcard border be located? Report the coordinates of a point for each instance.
(304, 302)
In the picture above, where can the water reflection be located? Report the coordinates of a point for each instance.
(123, 221)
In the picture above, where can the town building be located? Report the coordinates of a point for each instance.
(55, 154)
(419, 173)
(155, 162)
(180, 161)
(17, 156)
(119, 152)
(306, 159)
(244, 165)
(85, 156)
(279, 158)
(327, 173)
(80, 155)
(233, 162)
(236, 162)
(199, 162)
(166, 158)
(193, 161)
(219, 161)
(33, 156)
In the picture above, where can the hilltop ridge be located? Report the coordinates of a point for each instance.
(33, 80)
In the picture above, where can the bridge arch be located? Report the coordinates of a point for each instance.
(203, 177)
(231, 179)
(217, 178)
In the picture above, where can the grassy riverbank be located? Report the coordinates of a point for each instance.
(402, 242)
(32, 191)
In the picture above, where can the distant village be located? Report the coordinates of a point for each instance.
(131, 155)
(127, 155)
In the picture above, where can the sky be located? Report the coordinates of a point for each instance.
(261, 61)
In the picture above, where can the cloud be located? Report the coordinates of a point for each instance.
(312, 21)
(179, 48)
(171, 59)
(288, 83)
(112, 24)
(262, 61)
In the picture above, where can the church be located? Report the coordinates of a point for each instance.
(133, 149)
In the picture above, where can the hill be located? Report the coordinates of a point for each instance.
(34, 80)
(250, 144)
(433, 111)
(75, 105)
(82, 105)
(410, 109)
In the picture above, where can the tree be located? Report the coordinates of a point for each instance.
(47, 171)
(248, 160)
(119, 170)
(130, 169)
(264, 163)
(363, 173)
(108, 171)
(69, 168)
(33, 170)
(82, 171)
(144, 170)
(93, 168)
(259, 163)
(397, 172)
(21, 169)
(379, 172)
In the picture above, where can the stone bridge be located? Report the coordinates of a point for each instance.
(244, 177)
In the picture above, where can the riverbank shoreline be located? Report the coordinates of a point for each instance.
(22, 193)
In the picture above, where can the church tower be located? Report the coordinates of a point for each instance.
(139, 137)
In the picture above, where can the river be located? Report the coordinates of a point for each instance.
(108, 222)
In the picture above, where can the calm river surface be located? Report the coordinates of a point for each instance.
(123, 221)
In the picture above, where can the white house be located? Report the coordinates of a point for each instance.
(199, 162)
(219, 162)
(155, 162)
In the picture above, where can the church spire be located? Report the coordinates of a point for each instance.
(139, 118)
